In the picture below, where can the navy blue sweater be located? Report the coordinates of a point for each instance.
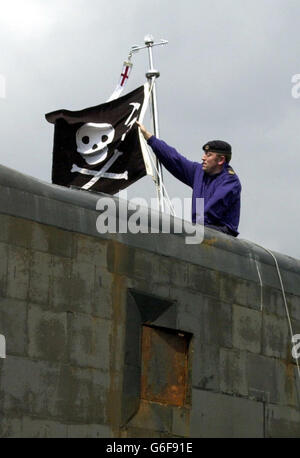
(221, 192)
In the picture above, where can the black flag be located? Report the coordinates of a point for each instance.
(99, 148)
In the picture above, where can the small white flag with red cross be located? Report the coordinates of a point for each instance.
(127, 66)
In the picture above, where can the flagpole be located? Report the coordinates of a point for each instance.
(151, 75)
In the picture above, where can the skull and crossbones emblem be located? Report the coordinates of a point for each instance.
(92, 141)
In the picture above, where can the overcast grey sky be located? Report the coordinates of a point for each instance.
(225, 74)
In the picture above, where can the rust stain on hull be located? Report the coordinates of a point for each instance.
(164, 366)
(209, 242)
(117, 256)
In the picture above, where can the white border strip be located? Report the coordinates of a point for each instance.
(145, 151)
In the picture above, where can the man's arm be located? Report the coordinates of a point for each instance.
(175, 163)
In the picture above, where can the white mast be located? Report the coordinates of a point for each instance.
(151, 75)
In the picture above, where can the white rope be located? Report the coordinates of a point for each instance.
(258, 271)
(261, 286)
(153, 163)
(284, 297)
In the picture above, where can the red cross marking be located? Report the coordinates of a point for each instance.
(125, 75)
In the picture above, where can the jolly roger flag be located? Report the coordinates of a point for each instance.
(100, 148)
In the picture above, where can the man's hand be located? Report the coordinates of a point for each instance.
(144, 131)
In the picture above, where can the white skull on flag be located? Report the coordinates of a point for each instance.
(92, 140)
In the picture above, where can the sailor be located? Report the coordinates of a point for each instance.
(214, 180)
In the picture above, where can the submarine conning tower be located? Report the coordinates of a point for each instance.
(139, 335)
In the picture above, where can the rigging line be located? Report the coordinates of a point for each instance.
(258, 272)
(261, 286)
(152, 160)
(167, 195)
(159, 171)
(284, 297)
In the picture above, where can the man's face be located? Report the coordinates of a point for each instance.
(212, 162)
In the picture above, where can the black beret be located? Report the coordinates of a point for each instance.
(217, 146)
